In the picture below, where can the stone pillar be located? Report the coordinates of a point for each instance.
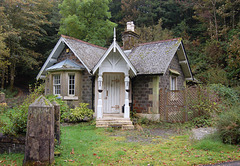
(126, 108)
(99, 106)
(39, 145)
(2, 97)
(56, 121)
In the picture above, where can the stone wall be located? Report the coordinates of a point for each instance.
(142, 88)
(70, 55)
(87, 88)
(12, 144)
(165, 79)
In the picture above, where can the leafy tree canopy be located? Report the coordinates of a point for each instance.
(87, 20)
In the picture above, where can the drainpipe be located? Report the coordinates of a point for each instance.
(132, 80)
(93, 96)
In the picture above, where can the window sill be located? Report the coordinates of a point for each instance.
(70, 97)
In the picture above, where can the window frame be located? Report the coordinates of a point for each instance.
(74, 84)
(57, 84)
(173, 91)
(171, 82)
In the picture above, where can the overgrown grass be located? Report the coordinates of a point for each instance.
(4, 120)
(84, 144)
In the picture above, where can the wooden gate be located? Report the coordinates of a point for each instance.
(178, 105)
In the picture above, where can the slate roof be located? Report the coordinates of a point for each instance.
(66, 64)
(154, 57)
(147, 58)
(88, 53)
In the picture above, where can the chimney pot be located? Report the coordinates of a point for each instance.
(130, 26)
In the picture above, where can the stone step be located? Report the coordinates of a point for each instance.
(125, 127)
(114, 123)
(113, 119)
(128, 127)
(123, 123)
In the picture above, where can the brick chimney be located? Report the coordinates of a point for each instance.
(129, 37)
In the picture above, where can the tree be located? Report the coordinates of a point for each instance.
(87, 20)
(4, 55)
(22, 20)
(130, 10)
(233, 58)
(153, 33)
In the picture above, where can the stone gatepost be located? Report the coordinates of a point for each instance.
(2, 97)
(39, 145)
(57, 121)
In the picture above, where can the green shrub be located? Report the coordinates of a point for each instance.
(18, 115)
(204, 107)
(64, 108)
(228, 125)
(229, 95)
(202, 121)
(78, 114)
(143, 120)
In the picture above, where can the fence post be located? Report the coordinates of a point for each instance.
(39, 145)
(185, 103)
(56, 121)
(165, 104)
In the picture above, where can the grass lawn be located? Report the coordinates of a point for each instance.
(84, 144)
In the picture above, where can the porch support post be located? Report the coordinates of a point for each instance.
(127, 108)
(99, 106)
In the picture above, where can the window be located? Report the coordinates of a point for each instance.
(173, 88)
(71, 84)
(56, 84)
(173, 83)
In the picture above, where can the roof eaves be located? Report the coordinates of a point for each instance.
(49, 57)
(190, 70)
(126, 59)
(107, 53)
(102, 58)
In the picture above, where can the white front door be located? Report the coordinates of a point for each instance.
(111, 93)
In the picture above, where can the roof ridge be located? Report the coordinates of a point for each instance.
(161, 41)
(69, 37)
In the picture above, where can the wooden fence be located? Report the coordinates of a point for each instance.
(182, 105)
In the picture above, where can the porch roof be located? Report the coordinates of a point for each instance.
(67, 64)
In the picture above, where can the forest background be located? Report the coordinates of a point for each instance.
(29, 29)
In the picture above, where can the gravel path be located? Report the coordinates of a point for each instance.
(200, 133)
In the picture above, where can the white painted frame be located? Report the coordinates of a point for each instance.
(71, 74)
(54, 88)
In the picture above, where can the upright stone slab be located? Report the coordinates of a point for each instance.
(57, 121)
(39, 146)
(2, 97)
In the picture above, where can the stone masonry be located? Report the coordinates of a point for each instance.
(87, 89)
(142, 87)
(165, 79)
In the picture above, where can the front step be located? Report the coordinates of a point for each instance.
(115, 122)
